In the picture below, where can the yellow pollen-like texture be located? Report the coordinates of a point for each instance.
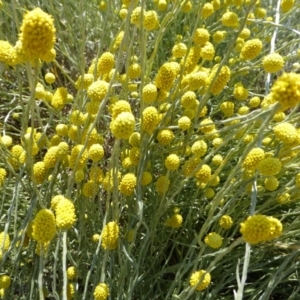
(37, 34)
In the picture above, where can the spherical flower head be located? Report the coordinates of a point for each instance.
(151, 20)
(4, 241)
(203, 175)
(150, 119)
(208, 51)
(217, 159)
(251, 49)
(2, 176)
(175, 221)
(172, 162)
(286, 90)
(200, 280)
(199, 148)
(146, 178)
(166, 75)
(37, 34)
(207, 10)
(6, 140)
(149, 93)
(123, 126)
(65, 214)
(225, 222)
(135, 139)
(186, 6)
(61, 129)
(239, 92)
(184, 123)
(273, 63)
(8, 54)
(286, 5)
(71, 273)
(49, 77)
(39, 172)
(44, 226)
(227, 108)
(179, 50)
(286, 133)
(136, 14)
(5, 282)
(59, 98)
(219, 36)
(119, 107)
(221, 80)
(271, 183)
(253, 158)
(96, 152)
(245, 33)
(201, 36)
(127, 184)
(97, 90)
(165, 137)
(213, 240)
(110, 236)
(106, 63)
(83, 82)
(269, 166)
(101, 292)
(162, 184)
(254, 102)
(90, 189)
(50, 157)
(230, 19)
(134, 71)
(207, 126)
(260, 228)
(188, 100)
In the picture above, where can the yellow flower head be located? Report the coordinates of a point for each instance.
(225, 222)
(37, 34)
(286, 90)
(269, 166)
(172, 162)
(273, 63)
(65, 213)
(44, 227)
(200, 279)
(260, 228)
(101, 292)
(251, 49)
(253, 158)
(175, 221)
(127, 184)
(162, 184)
(213, 240)
(110, 236)
(123, 126)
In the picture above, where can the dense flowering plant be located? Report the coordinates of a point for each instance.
(147, 146)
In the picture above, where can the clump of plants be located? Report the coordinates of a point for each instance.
(149, 150)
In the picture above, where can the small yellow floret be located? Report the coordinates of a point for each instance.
(213, 240)
(110, 236)
(200, 280)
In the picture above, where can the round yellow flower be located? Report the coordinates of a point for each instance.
(251, 49)
(213, 240)
(200, 279)
(162, 184)
(201, 36)
(225, 222)
(269, 166)
(127, 184)
(253, 158)
(5, 281)
(37, 34)
(286, 90)
(110, 236)
(65, 214)
(172, 162)
(273, 63)
(101, 292)
(44, 226)
(260, 228)
(123, 126)
(175, 221)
